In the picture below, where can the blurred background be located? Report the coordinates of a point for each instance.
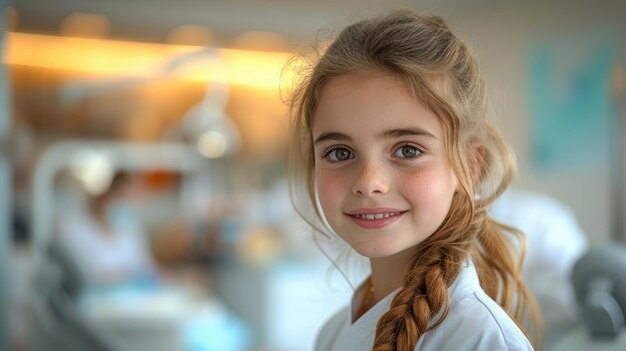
(142, 161)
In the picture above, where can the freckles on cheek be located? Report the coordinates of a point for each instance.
(431, 193)
(425, 189)
(417, 186)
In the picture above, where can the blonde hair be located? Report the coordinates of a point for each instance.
(440, 72)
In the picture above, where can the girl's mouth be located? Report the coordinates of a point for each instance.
(370, 219)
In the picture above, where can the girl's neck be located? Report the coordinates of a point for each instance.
(388, 273)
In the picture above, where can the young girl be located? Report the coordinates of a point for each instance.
(392, 141)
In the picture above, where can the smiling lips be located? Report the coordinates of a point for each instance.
(373, 218)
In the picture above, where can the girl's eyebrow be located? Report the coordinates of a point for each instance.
(331, 136)
(388, 134)
(396, 133)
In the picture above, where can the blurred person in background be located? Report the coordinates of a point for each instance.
(105, 240)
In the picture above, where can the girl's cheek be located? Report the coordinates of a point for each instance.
(431, 192)
(424, 187)
(329, 189)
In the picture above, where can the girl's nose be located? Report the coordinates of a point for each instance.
(371, 180)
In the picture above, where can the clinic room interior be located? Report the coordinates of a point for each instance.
(165, 123)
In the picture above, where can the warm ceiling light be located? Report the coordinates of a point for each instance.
(261, 69)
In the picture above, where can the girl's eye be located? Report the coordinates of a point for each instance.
(339, 154)
(407, 151)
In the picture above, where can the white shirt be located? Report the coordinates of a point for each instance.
(474, 322)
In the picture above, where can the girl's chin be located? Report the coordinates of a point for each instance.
(384, 250)
(376, 251)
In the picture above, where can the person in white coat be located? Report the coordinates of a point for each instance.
(393, 147)
(106, 242)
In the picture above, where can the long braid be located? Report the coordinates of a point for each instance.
(435, 266)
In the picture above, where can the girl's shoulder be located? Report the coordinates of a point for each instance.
(474, 322)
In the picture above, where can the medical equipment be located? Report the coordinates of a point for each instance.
(599, 279)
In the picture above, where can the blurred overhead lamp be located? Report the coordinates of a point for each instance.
(212, 144)
(93, 169)
(208, 126)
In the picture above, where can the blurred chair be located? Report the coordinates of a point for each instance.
(599, 278)
(56, 322)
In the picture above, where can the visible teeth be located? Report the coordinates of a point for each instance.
(371, 217)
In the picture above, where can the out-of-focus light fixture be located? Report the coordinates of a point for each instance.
(93, 169)
(259, 69)
(213, 132)
(212, 144)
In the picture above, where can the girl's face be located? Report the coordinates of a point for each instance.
(382, 175)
